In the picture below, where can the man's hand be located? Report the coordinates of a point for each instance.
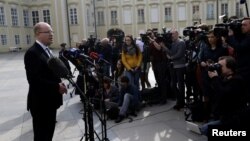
(212, 74)
(62, 88)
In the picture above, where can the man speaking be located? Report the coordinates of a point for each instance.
(45, 88)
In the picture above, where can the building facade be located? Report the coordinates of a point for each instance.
(73, 20)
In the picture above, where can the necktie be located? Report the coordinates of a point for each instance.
(48, 52)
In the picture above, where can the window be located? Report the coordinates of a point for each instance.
(114, 17)
(195, 13)
(14, 16)
(73, 16)
(88, 17)
(100, 18)
(35, 17)
(239, 12)
(127, 16)
(3, 40)
(26, 18)
(154, 15)
(2, 17)
(17, 39)
(210, 11)
(168, 15)
(182, 13)
(141, 18)
(28, 39)
(46, 16)
(224, 9)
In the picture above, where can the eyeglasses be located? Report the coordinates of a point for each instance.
(48, 32)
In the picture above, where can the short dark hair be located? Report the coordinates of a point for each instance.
(230, 62)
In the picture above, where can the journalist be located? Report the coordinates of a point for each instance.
(176, 53)
(129, 99)
(45, 88)
(159, 66)
(242, 50)
(229, 98)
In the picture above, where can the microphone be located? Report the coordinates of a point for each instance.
(94, 55)
(58, 67)
(98, 57)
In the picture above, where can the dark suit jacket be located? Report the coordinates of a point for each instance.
(43, 83)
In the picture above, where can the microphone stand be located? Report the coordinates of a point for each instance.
(88, 112)
(87, 116)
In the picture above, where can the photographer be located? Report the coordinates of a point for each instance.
(242, 49)
(229, 95)
(209, 55)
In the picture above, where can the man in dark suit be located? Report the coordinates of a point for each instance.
(45, 88)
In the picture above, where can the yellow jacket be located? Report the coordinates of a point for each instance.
(131, 61)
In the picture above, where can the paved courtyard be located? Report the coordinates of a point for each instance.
(153, 123)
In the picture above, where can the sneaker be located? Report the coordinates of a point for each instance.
(119, 119)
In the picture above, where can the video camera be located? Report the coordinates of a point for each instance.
(165, 37)
(91, 41)
(223, 28)
(193, 31)
(214, 67)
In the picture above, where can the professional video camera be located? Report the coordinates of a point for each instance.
(193, 31)
(91, 41)
(214, 67)
(144, 38)
(117, 34)
(165, 37)
(222, 29)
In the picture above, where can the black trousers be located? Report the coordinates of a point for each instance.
(44, 122)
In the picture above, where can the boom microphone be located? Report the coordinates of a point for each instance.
(58, 67)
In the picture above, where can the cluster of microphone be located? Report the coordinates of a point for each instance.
(74, 55)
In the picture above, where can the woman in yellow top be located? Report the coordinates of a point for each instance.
(131, 59)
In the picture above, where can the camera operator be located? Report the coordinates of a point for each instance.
(229, 97)
(242, 50)
(176, 53)
(159, 65)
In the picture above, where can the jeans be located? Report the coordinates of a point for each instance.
(133, 77)
(205, 128)
(125, 104)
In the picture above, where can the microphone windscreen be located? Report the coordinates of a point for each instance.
(58, 67)
(94, 55)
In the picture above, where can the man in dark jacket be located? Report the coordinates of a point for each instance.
(242, 50)
(128, 99)
(45, 88)
(229, 99)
